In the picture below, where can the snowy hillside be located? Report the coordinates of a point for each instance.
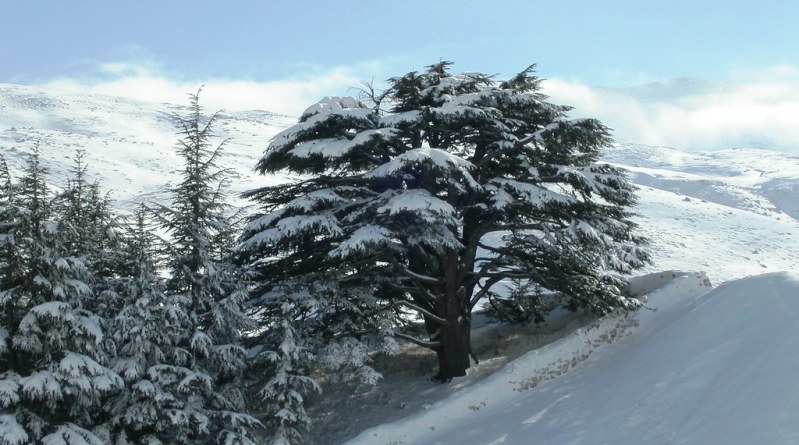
(760, 181)
(130, 145)
(743, 203)
(729, 214)
(700, 368)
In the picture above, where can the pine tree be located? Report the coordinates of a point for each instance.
(429, 207)
(147, 332)
(210, 290)
(55, 379)
(282, 396)
(10, 270)
(90, 231)
(93, 226)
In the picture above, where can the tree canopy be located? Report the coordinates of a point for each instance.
(421, 201)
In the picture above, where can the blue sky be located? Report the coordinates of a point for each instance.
(283, 55)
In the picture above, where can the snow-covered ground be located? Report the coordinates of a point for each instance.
(703, 368)
(729, 213)
(130, 145)
(699, 367)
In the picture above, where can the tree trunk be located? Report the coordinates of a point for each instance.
(454, 336)
(455, 350)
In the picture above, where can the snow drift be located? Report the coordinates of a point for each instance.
(702, 367)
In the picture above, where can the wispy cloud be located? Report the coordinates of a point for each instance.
(758, 110)
(145, 81)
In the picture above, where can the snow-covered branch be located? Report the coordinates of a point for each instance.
(420, 277)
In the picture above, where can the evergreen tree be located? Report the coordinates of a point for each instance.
(282, 396)
(93, 227)
(210, 291)
(10, 269)
(55, 377)
(430, 206)
(147, 332)
(90, 230)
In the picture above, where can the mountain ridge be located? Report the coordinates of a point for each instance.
(729, 213)
(728, 196)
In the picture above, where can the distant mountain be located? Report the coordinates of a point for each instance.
(759, 181)
(691, 114)
(729, 213)
(130, 145)
(744, 203)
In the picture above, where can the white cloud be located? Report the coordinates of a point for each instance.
(144, 81)
(758, 111)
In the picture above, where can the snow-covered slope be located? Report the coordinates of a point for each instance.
(700, 368)
(730, 213)
(130, 145)
(741, 205)
(759, 181)
(726, 242)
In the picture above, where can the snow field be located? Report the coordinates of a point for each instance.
(701, 368)
(725, 242)
(534, 371)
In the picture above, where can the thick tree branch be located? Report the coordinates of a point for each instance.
(484, 289)
(494, 249)
(506, 274)
(515, 227)
(352, 333)
(412, 339)
(418, 290)
(419, 277)
(416, 308)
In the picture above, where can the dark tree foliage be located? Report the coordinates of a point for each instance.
(208, 290)
(96, 347)
(54, 374)
(430, 197)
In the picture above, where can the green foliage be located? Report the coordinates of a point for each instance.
(423, 200)
(55, 377)
(179, 340)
